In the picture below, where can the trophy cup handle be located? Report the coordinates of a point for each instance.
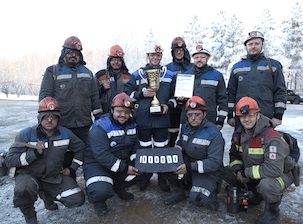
(140, 72)
(164, 70)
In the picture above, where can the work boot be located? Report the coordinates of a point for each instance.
(101, 208)
(213, 203)
(163, 183)
(49, 204)
(29, 214)
(143, 181)
(122, 193)
(174, 198)
(271, 213)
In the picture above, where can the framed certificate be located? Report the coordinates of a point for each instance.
(185, 85)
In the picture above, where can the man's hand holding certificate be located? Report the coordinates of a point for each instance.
(184, 85)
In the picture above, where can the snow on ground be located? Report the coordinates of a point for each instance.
(147, 206)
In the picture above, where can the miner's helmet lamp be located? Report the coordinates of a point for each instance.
(195, 103)
(116, 51)
(246, 105)
(73, 43)
(253, 35)
(122, 100)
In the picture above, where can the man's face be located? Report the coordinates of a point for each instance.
(73, 57)
(254, 46)
(49, 122)
(195, 117)
(116, 64)
(249, 120)
(154, 58)
(179, 53)
(201, 59)
(121, 114)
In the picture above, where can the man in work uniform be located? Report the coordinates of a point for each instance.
(38, 154)
(75, 88)
(109, 158)
(266, 172)
(202, 145)
(180, 64)
(112, 79)
(258, 77)
(209, 84)
(152, 127)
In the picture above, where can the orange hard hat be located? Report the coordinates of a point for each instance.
(116, 51)
(122, 100)
(195, 103)
(73, 43)
(246, 105)
(48, 104)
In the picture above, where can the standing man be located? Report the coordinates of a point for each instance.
(202, 145)
(152, 127)
(209, 84)
(260, 78)
(265, 172)
(179, 65)
(38, 154)
(110, 154)
(74, 87)
(113, 78)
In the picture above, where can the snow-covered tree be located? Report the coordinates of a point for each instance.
(293, 46)
(227, 42)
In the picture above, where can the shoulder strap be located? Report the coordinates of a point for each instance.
(270, 67)
(55, 75)
(262, 136)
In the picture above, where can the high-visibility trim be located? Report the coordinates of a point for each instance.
(133, 156)
(23, 159)
(83, 75)
(245, 69)
(222, 113)
(160, 144)
(236, 162)
(99, 179)
(129, 178)
(68, 193)
(231, 105)
(116, 166)
(200, 166)
(146, 144)
(184, 137)
(280, 104)
(61, 142)
(201, 141)
(115, 133)
(79, 162)
(281, 182)
(173, 130)
(200, 190)
(131, 131)
(239, 148)
(256, 172)
(255, 151)
(66, 76)
(210, 82)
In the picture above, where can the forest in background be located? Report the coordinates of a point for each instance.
(223, 37)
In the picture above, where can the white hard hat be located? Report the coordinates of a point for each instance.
(199, 49)
(153, 47)
(253, 35)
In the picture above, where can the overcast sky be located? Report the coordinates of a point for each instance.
(42, 26)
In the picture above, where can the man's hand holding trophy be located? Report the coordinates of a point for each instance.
(153, 79)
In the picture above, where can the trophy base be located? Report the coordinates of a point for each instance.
(155, 110)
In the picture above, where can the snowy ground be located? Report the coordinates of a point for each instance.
(147, 207)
